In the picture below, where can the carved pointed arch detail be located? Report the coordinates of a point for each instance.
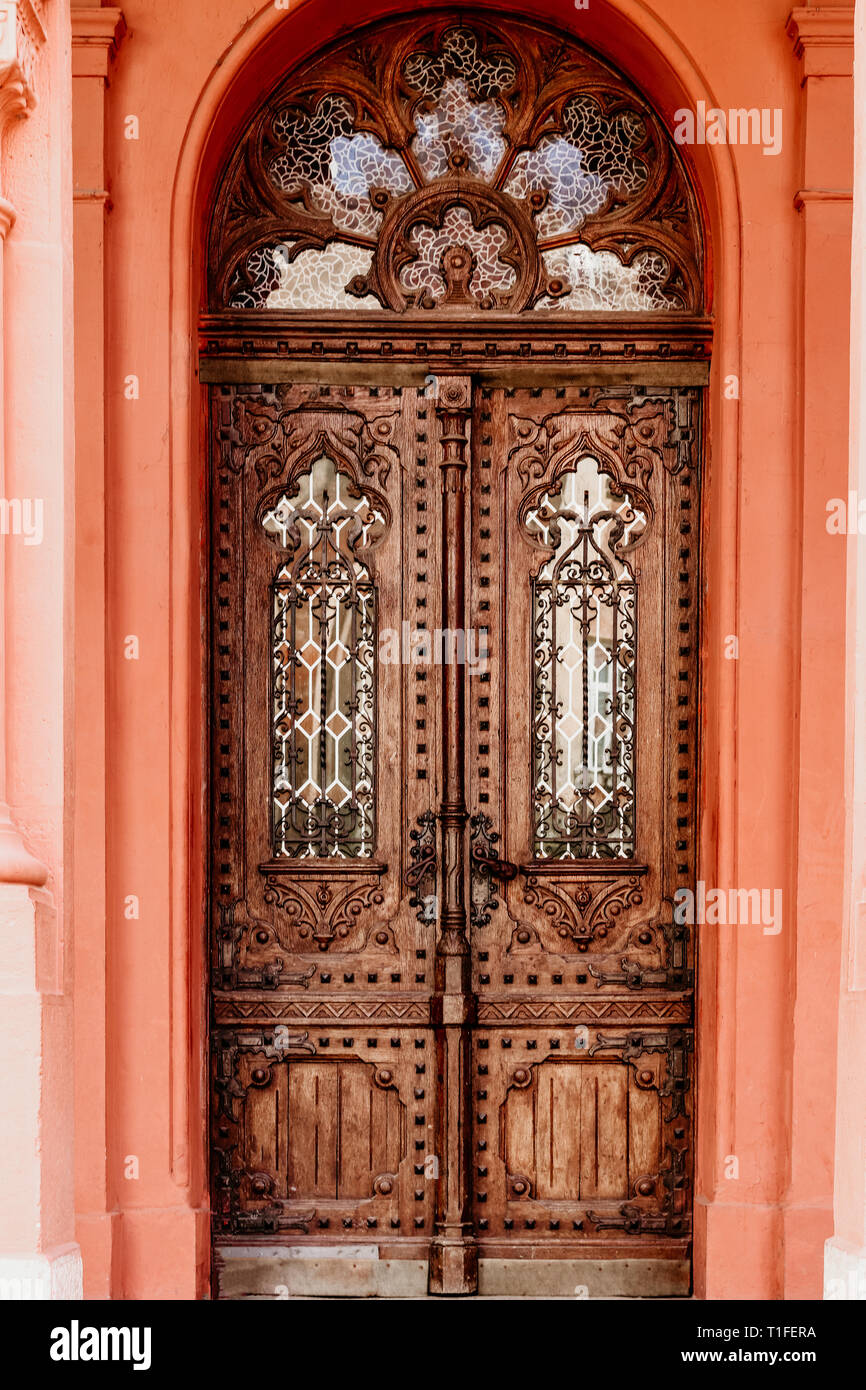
(456, 161)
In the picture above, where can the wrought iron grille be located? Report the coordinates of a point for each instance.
(324, 670)
(585, 662)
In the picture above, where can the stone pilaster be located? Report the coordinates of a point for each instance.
(823, 47)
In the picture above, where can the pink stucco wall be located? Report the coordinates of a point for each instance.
(37, 1231)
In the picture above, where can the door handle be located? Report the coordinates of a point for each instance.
(502, 869)
(483, 852)
(485, 866)
(424, 864)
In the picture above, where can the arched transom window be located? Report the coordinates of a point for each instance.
(456, 163)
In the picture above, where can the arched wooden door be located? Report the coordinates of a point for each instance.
(454, 346)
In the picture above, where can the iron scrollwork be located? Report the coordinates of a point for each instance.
(487, 868)
(421, 876)
(241, 937)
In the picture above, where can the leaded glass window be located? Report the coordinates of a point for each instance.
(365, 174)
(323, 667)
(585, 628)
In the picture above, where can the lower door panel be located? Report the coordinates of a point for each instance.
(324, 1134)
(580, 1144)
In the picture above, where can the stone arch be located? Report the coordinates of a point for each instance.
(646, 51)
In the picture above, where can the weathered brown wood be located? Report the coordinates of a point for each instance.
(575, 1059)
(453, 1253)
(242, 370)
(584, 997)
(325, 1071)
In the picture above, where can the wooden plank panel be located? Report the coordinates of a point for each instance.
(589, 1132)
(564, 1159)
(519, 1140)
(382, 1148)
(356, 1130)
(281, 1128)
(643, 1132)
(545, 1128)
(260, 1145)
(301, 1164)
(394, 1142)
(312, 1164)
(326, 1140)
(612, 1131)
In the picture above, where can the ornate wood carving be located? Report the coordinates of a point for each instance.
(343, 934)
(578, 911)
(387, 106)
(322, 915)
(582, 946)
(280, 348)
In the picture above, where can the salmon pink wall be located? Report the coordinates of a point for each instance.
(778, 233)
(38, 1254)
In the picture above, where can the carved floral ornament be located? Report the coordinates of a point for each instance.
(460, 164)
(22, 37)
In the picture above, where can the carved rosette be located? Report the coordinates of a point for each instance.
(487, 207)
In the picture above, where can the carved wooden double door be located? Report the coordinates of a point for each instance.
(453, 786)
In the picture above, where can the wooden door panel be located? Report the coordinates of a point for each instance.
(604, 923)
(326, 1137)
(344, 1132)
(327, 945)
(595, 490)
(576, 1149)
